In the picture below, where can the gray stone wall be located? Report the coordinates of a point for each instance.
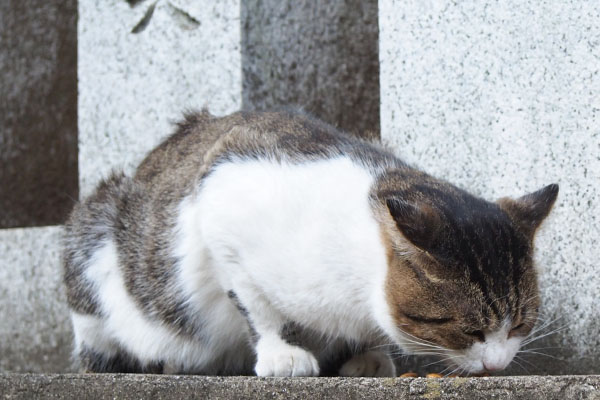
(38, 111)
(35, 332)
(502, 98)
(320, 56)
(140, 67)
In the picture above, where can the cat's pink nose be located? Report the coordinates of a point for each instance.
(492, 366)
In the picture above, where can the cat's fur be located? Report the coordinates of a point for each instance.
(272, 243)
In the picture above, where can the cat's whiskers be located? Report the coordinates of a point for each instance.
(543, 348)
(545, 323)
(491, 302)
(419, 352)
(413, 350)
(521, 365)
(536, 334)
(538, 328)
(452, 370)
(540, 353)
(538, 337)
(527, 361)
(415, 346)
(384, 346)
(453, 357)
(420, 341)
(528, 300)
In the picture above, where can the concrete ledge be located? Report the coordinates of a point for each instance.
(130, 386)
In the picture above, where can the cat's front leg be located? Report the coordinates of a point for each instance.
(274, 356)
(371, 363)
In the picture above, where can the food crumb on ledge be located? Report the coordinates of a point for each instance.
(409, 375)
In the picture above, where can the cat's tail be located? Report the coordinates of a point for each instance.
(90, 235)
(93, 222)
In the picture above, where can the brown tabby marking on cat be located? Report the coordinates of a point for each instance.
(449, 254)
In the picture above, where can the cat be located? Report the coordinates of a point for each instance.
(271, 243)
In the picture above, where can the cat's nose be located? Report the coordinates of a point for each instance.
(496, 356)
(493, 365)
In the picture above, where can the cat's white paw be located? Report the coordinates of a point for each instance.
(371, 363)
(286, 361)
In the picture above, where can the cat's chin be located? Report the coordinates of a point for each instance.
(474, 368)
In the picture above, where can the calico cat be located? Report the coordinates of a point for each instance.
(272, 243)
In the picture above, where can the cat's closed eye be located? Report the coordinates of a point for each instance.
(429, 320)
(519, 330)
(477, 334)
(518, 327)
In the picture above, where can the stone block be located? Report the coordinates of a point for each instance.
(141, 66)
(38, 112)
(35, 332)
(501, 98)
(316, 55)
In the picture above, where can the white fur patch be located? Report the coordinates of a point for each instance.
(301, 239)
(494, 354)
(277, 358)
(302, 236)
(128, 327)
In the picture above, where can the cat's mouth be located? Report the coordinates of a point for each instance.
(466, 367)
(485, 357)
(469, 367)
(479, 358)
(492, 351)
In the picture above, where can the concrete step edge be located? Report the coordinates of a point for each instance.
(133, 386)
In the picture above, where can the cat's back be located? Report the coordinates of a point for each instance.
(180, 155)
(202, 141)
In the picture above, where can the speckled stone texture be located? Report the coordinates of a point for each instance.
(503, 98)
(35, 330)
(126, 387)
(133, 85)
(320, 56)
(38, 111)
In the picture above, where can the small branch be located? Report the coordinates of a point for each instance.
(145, 20)
(184, 19)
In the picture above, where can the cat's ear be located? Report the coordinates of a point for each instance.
(529, 211)
(418, 222)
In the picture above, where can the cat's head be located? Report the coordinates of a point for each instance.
(461, 282)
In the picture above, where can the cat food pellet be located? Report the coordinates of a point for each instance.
(434, 375)
(409, 375)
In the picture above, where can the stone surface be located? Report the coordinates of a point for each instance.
(132, 86)
(502, 98)
(319, 56)
(29, 386)
(35, 331)
(38, 111)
